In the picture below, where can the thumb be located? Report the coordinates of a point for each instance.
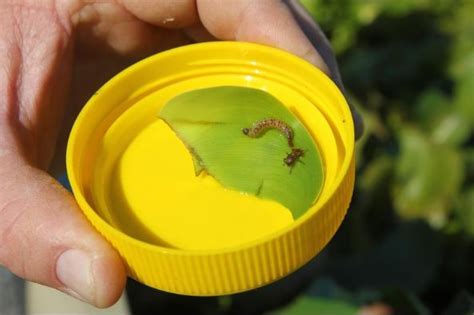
(45, 238)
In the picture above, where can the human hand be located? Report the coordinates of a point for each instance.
(53, 54)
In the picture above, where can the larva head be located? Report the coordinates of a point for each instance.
(246, 131)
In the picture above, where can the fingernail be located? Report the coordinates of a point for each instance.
(74, 270)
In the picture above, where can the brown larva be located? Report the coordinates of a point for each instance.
(261, 126)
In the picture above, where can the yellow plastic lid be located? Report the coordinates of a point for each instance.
(134, 179)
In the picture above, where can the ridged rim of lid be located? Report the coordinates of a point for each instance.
(254, 264)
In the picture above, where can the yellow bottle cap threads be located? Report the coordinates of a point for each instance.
(134, 179)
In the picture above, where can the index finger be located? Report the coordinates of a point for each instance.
(267, 22)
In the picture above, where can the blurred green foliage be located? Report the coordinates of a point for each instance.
(408, 240)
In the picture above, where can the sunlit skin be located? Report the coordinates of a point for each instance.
(53, 55)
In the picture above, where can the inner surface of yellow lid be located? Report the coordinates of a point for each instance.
(145, 185)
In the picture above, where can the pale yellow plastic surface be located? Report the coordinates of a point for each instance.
(135, 182)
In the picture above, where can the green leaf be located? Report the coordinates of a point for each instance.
(309, 306)
(210, 123)
(428, 178)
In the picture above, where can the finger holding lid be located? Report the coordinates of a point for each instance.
(268, 22)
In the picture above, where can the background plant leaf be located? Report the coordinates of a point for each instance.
(428, 177)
